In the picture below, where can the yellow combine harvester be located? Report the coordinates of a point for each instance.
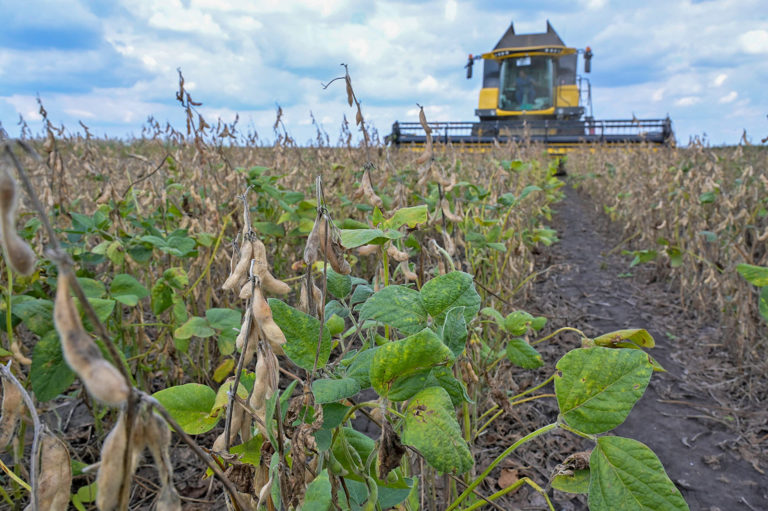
(532, 91)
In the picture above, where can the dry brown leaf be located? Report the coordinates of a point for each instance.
(508, 477)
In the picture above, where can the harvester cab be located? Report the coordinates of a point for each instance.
(532, 91)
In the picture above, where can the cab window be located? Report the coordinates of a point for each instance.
(526, 83)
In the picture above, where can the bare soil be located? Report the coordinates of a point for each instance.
(685, 419)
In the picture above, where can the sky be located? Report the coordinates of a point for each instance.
(112, 64)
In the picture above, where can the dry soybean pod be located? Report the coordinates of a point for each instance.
(20, 257)
(240, 274)
(112, 469)
(268, 281)
(262, 313)
(331, 247)
(55, 478)
(103, 381)
(157, 436)
(397, 255)
(264, 385)
(11, 412)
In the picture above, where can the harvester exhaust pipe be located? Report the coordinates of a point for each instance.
(588, 60)
(469, 65)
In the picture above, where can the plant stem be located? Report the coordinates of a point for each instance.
(13, 476)
(499, 459)
(517, 396)
(510, 489)
(559, 330)
(513, 403)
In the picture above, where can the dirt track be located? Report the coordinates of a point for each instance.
(588, 287)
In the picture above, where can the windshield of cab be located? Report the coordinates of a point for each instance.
(526, 83)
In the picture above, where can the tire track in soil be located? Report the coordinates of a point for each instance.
(584, 290)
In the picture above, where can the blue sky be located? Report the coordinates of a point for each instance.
(112, 64)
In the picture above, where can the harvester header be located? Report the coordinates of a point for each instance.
(532, 90)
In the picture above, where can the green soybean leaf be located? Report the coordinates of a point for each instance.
(269, 228)
(301, 334)
(675, 257)
(576, 483)
(522, 354)
(626, 474)
(274, 474)
(352, 238)
(397, 306)
(636, 337)
(455, 330)
(407, 216)
(101, 306)
(401, 368)
(360, 368)
(360, 294)
(190, 404)
(338, 285)
(37, 315)
(708, 197)
(91, 288)
(250, 451)
(318, 495)
(194, 327)
(755, 275)
(333, 414)
(442, 376)
(454, 289)
(162, 297)
(431, 427)
(596, 388)
(528, 190)
(228, 322)
(351, 448)
(538, 323)
(763, 305)
(127, 290)
(177, 277)
(223, 319)
(49, 373)
(270, 416)
(493, 313)
(85, 495)
(517, 322)
(327, 390)
(389, 495)
(222, 397)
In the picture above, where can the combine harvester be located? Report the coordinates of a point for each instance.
(532, 92)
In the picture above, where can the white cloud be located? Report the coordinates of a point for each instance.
(595, 5)
(719, 79)
(77, 112)
(755, 41)
(730, 97)
(25, 106)
(451, 9)
(428, 84)
(688, 101)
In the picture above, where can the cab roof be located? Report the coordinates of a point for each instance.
(510, 40)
